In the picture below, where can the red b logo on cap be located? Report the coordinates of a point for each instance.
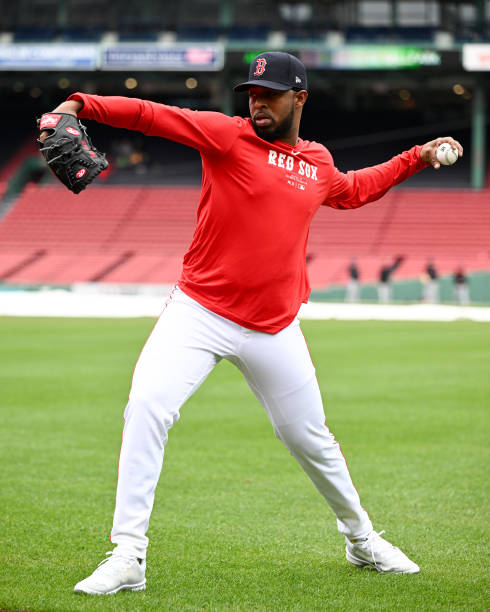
(260, 69)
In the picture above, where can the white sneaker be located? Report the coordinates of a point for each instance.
(380, 554)
(117, 572)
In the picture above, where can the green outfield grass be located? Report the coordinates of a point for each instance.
(236, 523)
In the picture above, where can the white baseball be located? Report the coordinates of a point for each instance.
(446, 155)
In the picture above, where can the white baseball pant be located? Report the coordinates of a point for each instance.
(184, 346)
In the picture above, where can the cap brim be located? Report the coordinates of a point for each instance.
(262, 83)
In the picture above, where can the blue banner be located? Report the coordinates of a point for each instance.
(186, 56)
(48, 56)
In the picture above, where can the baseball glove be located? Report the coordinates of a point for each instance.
(69, 152)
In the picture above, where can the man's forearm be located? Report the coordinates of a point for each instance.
(69, 106)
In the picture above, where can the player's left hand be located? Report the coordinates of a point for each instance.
(428, 151)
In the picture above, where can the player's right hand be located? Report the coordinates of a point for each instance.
(68, 150)
(68, 106)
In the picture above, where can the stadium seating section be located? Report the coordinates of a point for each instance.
(116, 234)
(235, 20)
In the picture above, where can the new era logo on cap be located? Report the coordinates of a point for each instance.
(275, 70)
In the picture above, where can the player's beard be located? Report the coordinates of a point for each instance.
(275, 131)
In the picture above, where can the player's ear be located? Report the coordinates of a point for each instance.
(300, 97)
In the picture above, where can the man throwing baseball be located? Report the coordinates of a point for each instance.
(243, 281)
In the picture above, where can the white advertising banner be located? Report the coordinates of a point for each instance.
(476, 57)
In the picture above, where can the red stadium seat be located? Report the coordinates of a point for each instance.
(139, 234)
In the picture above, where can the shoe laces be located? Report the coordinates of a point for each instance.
(114, 563)
(375, 542)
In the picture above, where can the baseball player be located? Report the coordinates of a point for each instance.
(243, 281)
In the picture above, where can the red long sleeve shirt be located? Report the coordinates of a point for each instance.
(247, 259)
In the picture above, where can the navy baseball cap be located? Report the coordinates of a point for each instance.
(275, 70)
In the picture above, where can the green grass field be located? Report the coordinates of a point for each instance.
(236, 523)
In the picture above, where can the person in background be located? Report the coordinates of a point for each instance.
(353, 289)
(431, 288)
(384, 286)
(461, 289)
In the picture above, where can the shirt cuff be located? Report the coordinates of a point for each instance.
(84, 112)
